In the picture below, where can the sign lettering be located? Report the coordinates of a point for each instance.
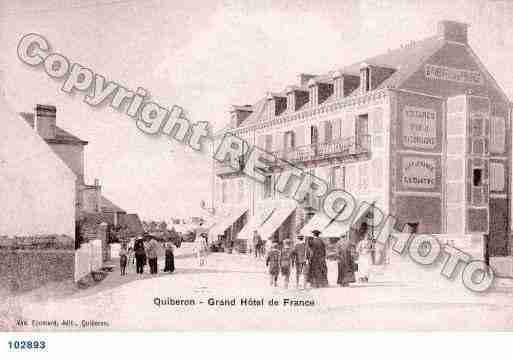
(419, 127)
(436, 72)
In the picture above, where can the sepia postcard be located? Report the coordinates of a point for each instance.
(255, 165)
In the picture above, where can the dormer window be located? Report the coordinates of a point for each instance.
(371, 76)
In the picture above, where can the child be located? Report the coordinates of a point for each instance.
(273, 262)
(123, 259)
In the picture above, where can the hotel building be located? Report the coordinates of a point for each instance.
(423, 132)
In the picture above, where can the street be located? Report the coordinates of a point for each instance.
(209, 298)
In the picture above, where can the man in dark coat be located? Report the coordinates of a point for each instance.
(318, 270)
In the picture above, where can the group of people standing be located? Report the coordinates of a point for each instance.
(146, 253)
(310, 262)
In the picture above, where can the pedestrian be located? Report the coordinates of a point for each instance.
(131, 256)
(170, 258)
(345, 261)
(364, 249)
(257, 241)
(200, 249)
(299, 260)
(140, 256)
(152, 253)
(272, 261)
(318, 269)
(286, 261)
(123, 259)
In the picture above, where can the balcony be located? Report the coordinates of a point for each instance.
(342, 148)
(223, 169)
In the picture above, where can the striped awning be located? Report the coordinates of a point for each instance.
(278, 217)
(226, 222)
(255, 222)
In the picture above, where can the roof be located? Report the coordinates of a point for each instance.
(61, 136)
(133, 224)
(405, 61)
(107, 206)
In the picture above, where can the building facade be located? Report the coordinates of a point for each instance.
(423, 132)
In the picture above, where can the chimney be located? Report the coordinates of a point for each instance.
(453, 31)
(45, 121)
(238, 114)
(304, 78)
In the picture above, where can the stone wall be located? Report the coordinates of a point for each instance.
(22, 270)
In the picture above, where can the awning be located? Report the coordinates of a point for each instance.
(336, 229)
(255, 222)
(325, 225)
(319, 221)
(277, 218)
(224, 223)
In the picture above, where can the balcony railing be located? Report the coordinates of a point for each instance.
(225, 168)
(337, 148)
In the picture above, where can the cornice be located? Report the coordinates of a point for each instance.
(320, 110)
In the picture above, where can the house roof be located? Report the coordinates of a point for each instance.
(133, 224)
(404, 61)
(61, 136)
(107, 206)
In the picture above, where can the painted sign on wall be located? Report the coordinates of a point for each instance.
(437, 72)
(418, 172)
(419, 127)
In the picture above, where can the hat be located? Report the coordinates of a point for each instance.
(316, 232)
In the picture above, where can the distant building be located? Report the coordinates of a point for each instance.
(423, 132)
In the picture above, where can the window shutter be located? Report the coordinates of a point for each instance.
(278, 146)
(299, 136)
(336, 128)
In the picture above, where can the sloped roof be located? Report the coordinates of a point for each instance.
(61, 136)
(133, 224)
(107, 205)
(404, 61)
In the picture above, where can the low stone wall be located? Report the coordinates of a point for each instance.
(27, 269)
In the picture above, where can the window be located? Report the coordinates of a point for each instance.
(289, 140)
(314, 136)
(268, 186)
(477, 177)
(328, 131)
(362, 130)
(268, 142)
(412, 227)
(337, 178)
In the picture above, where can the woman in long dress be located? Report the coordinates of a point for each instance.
(170, 258)
(346, 264)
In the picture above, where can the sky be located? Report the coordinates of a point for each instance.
(205, 56)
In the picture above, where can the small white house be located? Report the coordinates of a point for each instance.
(37, 190)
